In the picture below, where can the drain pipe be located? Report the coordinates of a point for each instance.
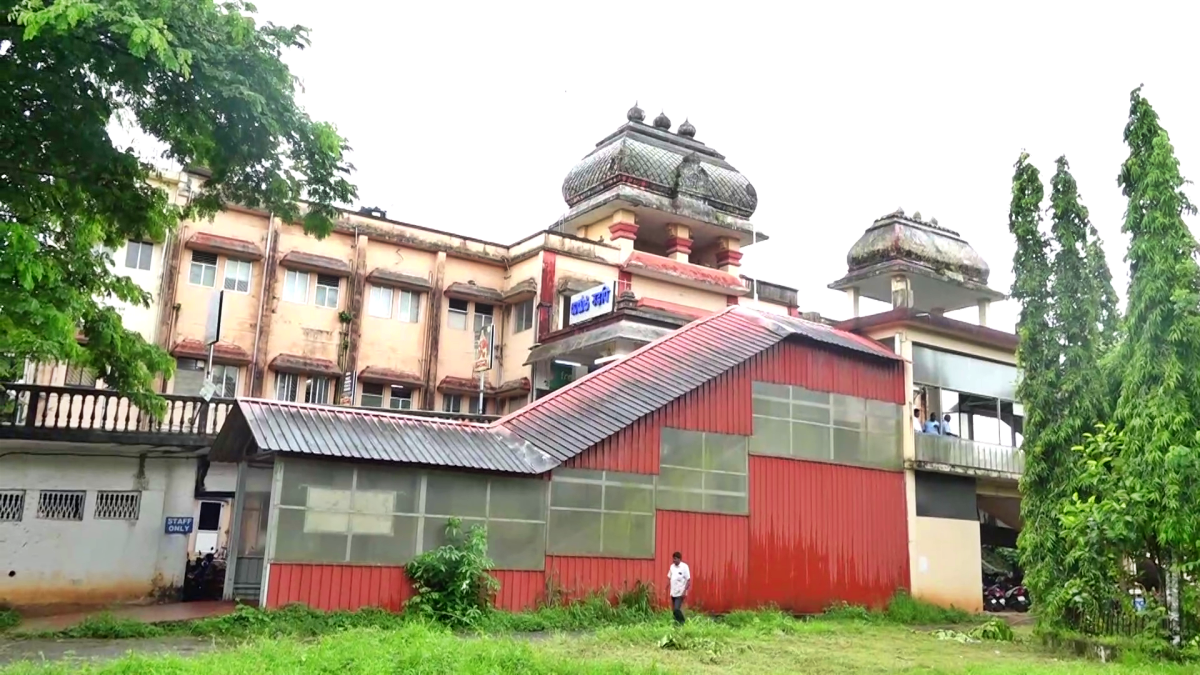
(262, 299)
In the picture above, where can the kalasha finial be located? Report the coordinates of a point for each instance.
(686, 129)
(635, 114)
(917, 216)
(662, 122)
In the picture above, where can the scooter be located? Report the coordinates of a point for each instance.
(994, 598)
(1017, 599)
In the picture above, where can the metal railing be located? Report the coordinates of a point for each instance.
(77, 413)
(968, 455)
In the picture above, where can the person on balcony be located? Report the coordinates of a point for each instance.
(917, 421)
(932, 425)
(946, 426)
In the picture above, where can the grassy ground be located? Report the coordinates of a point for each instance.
(758, 644)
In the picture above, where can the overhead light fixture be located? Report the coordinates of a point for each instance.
(609, 359)
(568, 363)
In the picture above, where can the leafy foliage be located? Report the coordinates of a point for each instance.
(201, 77)
(452, 582)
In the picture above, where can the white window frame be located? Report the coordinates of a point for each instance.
(410, 306)
(142, 251)
(447, 398)
(295, 286)
(405, 402)
(202, 266)
(362, 397)
(317, 387)
(519, 311)
(457, 315)
(286, 382)
(237, 267)
(379, 302)
(481, 321)
(220, 377)
(322, 299)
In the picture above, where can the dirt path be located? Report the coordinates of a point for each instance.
(101, 650)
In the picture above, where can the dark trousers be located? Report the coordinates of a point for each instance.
(677, 609)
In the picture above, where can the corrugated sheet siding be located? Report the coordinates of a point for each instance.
(519, 590)
(716, 549)
(334, 587)
(821, 533)
(724, 405)
(576, 577)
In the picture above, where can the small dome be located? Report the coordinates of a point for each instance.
(900, 239)
(686, 129)
(662, 122)
(635, 114)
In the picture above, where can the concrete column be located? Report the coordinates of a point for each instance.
(729, 255)
(983, 311)
(679, 242)
(902, 295)
(622, 231)
(853, 294)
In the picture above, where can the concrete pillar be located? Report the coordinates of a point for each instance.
(679, 242)
(729, 255)
(902, 295)
(853, 294)
(983, 311)
(622, 231)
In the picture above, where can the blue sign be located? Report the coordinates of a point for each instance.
(591, 303)
(179, 525)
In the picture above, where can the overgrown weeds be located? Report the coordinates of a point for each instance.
(630, 607)
(8, 618)
(902, 609)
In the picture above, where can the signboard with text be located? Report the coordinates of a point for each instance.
(484, 348)
(179, 525)
(592, 303)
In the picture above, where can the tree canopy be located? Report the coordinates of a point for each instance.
(203, 78)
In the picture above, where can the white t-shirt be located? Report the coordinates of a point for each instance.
(679, 575)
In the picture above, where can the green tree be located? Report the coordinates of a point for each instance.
(1158, 411)
(201, 77)
(1038, 358)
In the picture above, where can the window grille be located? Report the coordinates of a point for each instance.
(60, 504)
(12, 505)
(118, 505)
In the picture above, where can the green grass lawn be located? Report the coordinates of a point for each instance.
(751, 643)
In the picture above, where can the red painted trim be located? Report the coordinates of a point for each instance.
(678, 245)
(624, 282)
(546, 292)
(728, 257)
(794, 311)
(623, 231)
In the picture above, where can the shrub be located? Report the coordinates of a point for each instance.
(8, 618)
(452, 583)
(907, 610)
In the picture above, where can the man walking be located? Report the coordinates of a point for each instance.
(680, 577)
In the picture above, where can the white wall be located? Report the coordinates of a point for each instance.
(93, 562)
(144, 320)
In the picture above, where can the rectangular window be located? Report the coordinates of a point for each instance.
(287, 385)
(189, 378)
(473, 406)
(410, 306)
(225, 378)
(327, 291)
(295, 286)
(451, 403)
(400, 398)
(117, 505)
(316, 390)
(139, 255)
(819, 426)
(523, 316)
(601, 513)
(237, 275)
(483, 316)
(338, 513)
(456, 314)
(372, 396)
(78, 376)
(203, 271)
(703, 472)
(380, 303)
(12, 506)
(60, 504)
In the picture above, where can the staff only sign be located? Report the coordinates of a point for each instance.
(591, 303)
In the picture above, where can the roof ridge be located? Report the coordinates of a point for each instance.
(683, 331)
(383, 414)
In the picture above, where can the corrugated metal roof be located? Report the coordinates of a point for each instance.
(587, 411)
(283, 427)
(549, 431)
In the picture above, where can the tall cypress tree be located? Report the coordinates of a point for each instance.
(1038, 358)
(1159, 405)
(1101, 276)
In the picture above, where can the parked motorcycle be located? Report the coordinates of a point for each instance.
(1017, 599)
(994, 598)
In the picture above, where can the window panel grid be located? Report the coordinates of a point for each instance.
(60, 504)
(12, 506)
(117, 505)
(622, 532)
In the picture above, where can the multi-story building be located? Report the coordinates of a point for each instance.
(655, 216)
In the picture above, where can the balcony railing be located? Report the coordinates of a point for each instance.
(77, 414)
(962, 455)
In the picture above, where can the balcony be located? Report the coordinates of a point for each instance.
(948, 454)
(32, 412)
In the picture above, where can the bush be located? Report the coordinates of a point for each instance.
(901, 609)
(452, 583)
(8, 618)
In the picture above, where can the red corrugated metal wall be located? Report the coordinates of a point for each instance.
(821, 533)
(816, 533)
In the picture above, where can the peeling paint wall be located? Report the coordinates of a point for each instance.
(93, 561)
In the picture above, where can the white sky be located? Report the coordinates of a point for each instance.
(467, 116)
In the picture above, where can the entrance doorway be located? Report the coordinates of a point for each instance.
(208, 527)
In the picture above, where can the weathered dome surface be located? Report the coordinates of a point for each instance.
(660, 162)
(899, 238)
